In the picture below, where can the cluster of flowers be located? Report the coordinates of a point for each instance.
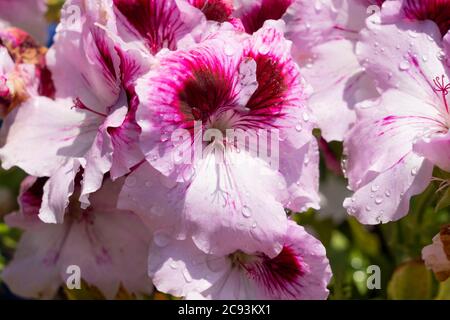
(102, 122)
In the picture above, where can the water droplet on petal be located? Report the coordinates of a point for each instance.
(378, 200)
(414, 171)
(229, 50)
(306, 117)
(161, 238)
(368, 208)
(387, 193)
(264, 49)
(375, 188)
(404, 65)
(173, 265)
(298, 127)
(246, 212)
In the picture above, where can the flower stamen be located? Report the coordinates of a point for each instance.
(439, 82)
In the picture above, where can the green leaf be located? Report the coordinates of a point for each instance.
(444, 290)
(411, 281)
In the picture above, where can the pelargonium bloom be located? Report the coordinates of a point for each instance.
(108, 245)
(437, 254)
(226, 197)
(398, 138)
(157, 24)
(91, 124)
(324, 34)
(300, 271)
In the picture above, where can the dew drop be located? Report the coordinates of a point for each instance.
(378, 200)
(404, 65)
(306, 117)
(368, 208)
(414, 171)
(229, 50)
(161, 238)
(264, 49)
(173, 265)
(375, 188)
(246, 212)
(298, 127)
(306, 161)
(387, 193)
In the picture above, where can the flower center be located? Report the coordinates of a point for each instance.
(281, 274)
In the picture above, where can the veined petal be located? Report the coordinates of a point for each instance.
(65, 132)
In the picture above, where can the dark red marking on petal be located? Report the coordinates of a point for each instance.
(204, 93)
(269, 99)
(31, 199)
(215, 10)
(104, 56)
(46, 85)
(254, 18)
(157, 21)
(435, 10)
(281, 274)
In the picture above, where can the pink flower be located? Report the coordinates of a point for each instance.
(157, 24)
(91, 124)
(437, 254)
(28, 15)
(300, 271)
(227, 197)
(108, 245)
(398, 137)
(324, 36)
